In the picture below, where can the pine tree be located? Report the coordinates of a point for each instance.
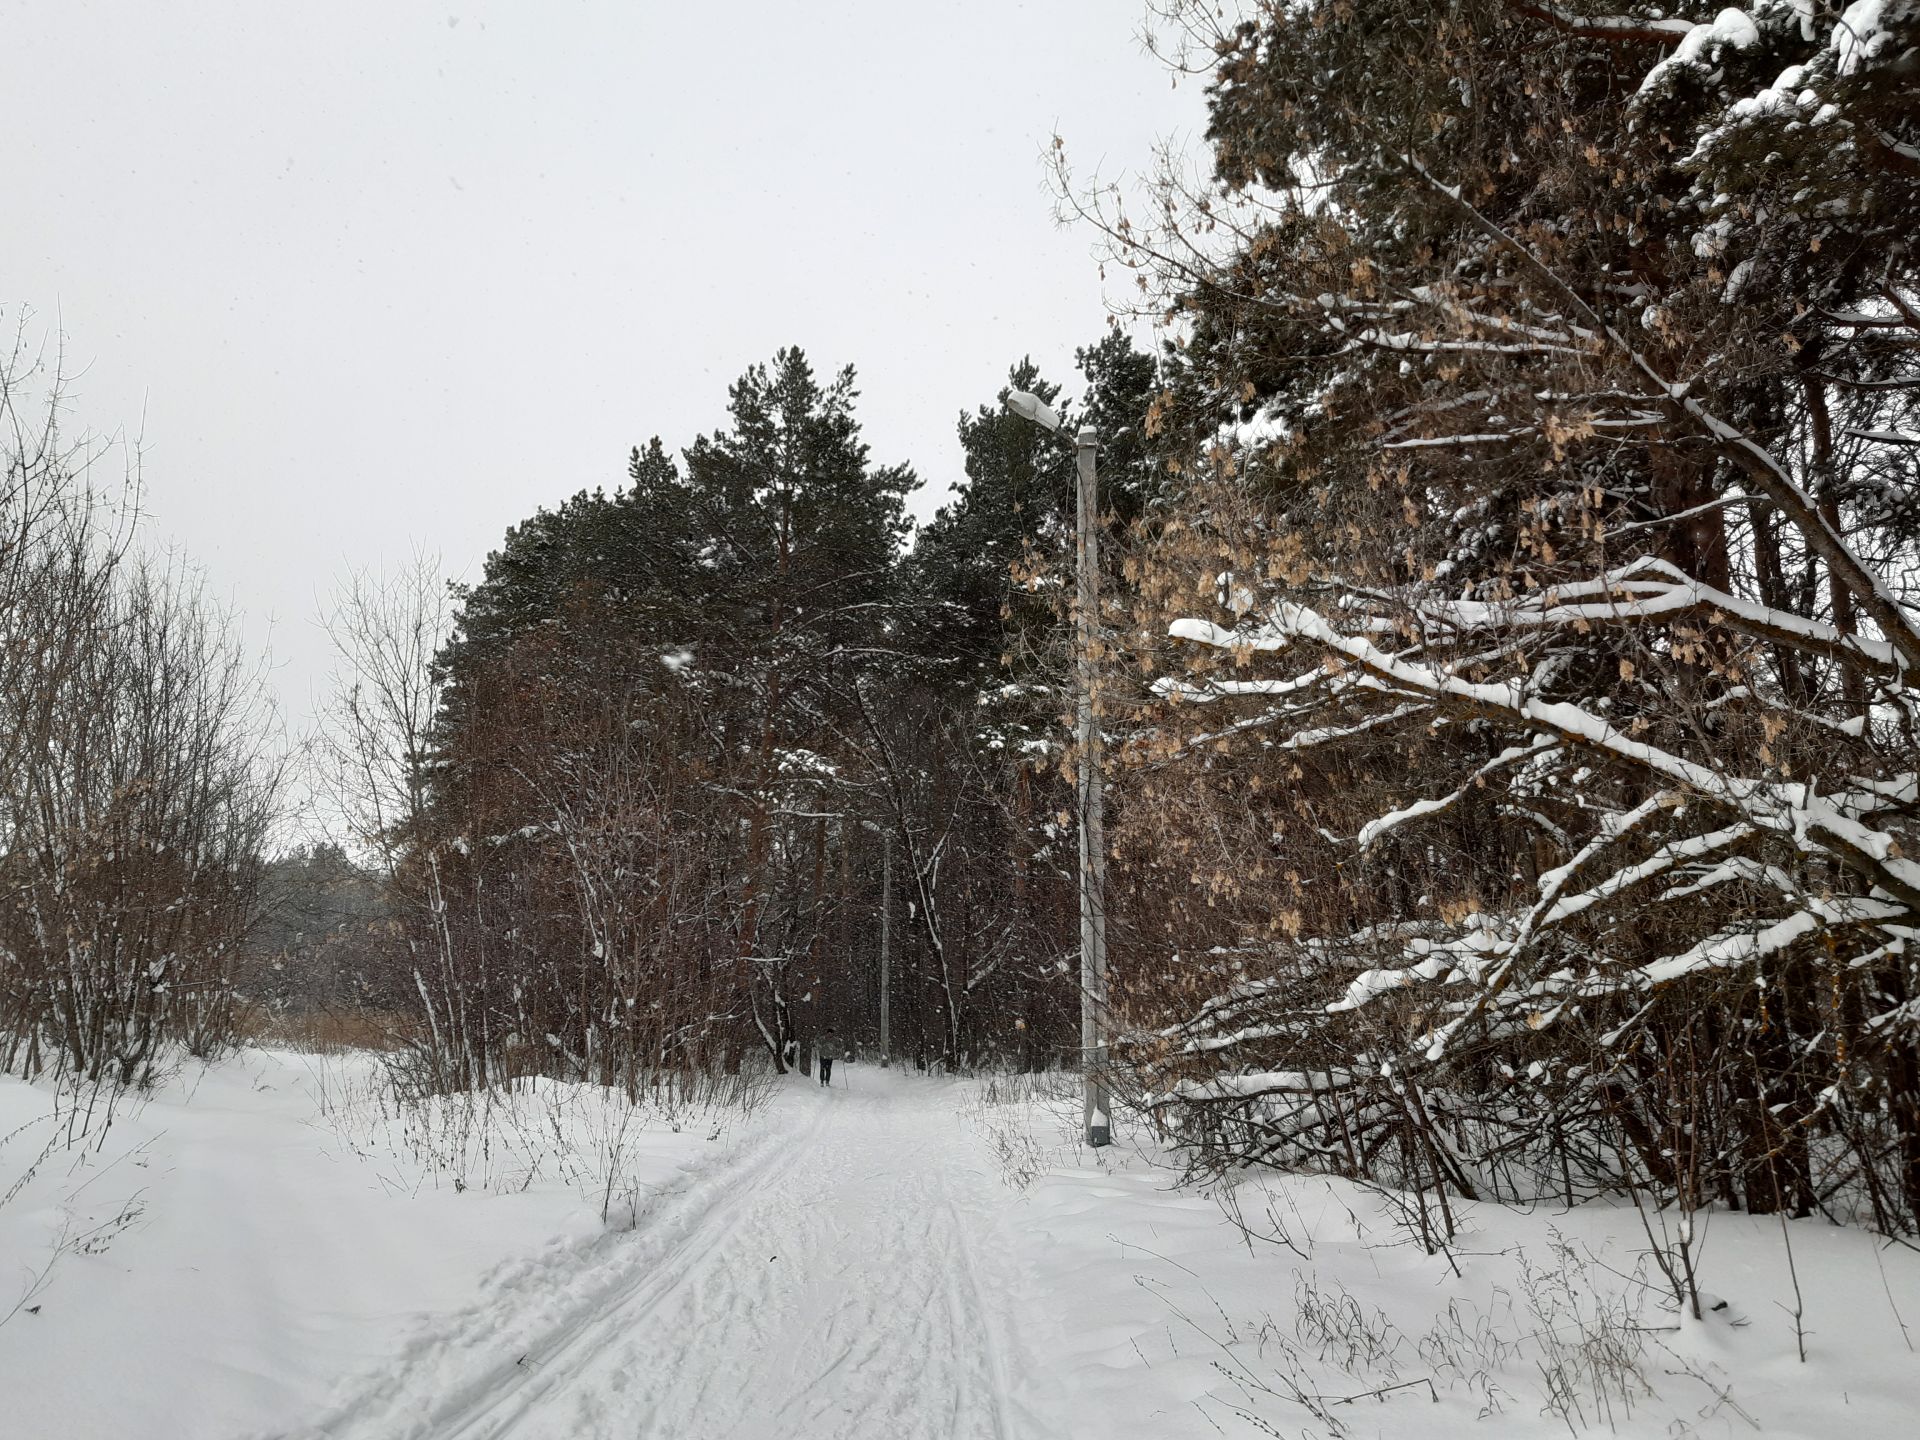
(968, 612)
(797, 536)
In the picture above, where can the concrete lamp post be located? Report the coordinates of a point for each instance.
(1093, 849)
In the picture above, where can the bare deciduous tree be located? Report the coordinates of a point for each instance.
(138, 780)
(371, 747)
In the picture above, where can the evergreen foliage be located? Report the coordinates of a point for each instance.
(682, 721)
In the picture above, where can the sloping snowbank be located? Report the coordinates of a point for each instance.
(272, 1224)
(1167, 1317)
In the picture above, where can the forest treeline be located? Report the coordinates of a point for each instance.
(694, 748)
(1511, 615)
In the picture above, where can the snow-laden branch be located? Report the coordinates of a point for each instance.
(1374, 829)
(1604, 27)
(1827, 823)
(1652, 589)
(1868, 588)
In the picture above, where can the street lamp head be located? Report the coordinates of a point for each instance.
(1035, 409)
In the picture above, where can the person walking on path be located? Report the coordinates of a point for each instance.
(826, 1048)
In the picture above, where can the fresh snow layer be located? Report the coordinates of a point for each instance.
(1173, 1321)
(277, 1234)
(896, 1257)
(849, 1274)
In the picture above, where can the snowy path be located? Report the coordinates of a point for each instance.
(848, 1274)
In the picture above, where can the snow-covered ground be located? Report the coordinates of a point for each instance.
(271, 1248)
(226, 1250)
(1303, 1306)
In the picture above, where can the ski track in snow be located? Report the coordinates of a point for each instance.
(845, 1276)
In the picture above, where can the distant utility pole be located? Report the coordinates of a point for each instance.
(1096, 1104)
(886, 943)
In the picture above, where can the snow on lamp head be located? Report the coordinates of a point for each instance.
(1034, 408)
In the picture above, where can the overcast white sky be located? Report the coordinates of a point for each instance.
(369, 274)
